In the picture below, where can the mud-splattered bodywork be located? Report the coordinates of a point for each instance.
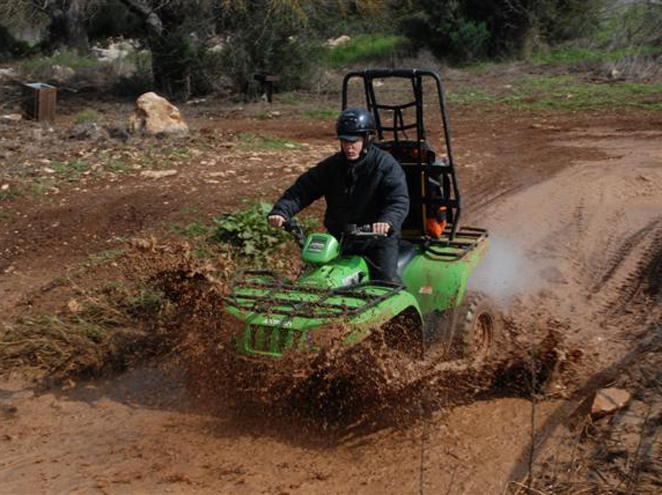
(283, 316)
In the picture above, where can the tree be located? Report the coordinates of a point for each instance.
(66, 19)
(464, 30)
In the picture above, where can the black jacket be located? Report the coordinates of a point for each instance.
(373, 189)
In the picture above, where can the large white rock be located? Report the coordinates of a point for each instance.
(156, 115)
(333, 42)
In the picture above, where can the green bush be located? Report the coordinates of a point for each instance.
(249, 233)
(86, 116)
(470, 30)
(367, 48)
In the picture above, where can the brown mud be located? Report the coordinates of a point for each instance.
(573, 206)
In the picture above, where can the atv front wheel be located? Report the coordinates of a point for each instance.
(478, 327)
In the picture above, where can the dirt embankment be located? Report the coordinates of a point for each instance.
(576, 243)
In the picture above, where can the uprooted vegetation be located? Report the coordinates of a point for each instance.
(123, 306)
(108, 316)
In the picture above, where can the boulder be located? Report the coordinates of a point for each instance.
(156, 115)
(333, 42)
(62, 74)
(88, 130)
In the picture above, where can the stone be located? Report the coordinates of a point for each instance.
(11, 117)
(156, 115)
(88, 130)
(74, 306)
(333, 42)
(62, 74)
(609, 400)
(157, 174)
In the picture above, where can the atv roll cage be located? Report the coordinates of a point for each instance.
(432, 183)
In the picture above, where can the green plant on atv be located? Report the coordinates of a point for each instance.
(248, 232)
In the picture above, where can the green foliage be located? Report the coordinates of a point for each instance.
(367, 48)
(71, 171)
(249, 232)
(249, 140)
(470, 30)
(250, 235)
(470, 40)
(86, 116)
(584, 55)
(269, 39)
(42, 66)
(140, 81)
(567, 93)
(322, 114)
(106, 255)
(193, 229)
(633, 24)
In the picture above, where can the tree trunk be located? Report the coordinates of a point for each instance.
(76, 32)
(68, 25)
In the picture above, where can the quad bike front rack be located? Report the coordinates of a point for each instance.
(263, 292)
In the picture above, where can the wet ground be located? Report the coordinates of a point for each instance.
(573, 203)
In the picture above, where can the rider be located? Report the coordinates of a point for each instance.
(362, 185)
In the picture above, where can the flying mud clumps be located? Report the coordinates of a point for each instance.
(340, 388)
(106, 317)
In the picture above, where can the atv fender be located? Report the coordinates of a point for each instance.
(381, 313)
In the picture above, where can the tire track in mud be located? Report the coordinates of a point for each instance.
(570, 224)
(608, 224)
(608, 254)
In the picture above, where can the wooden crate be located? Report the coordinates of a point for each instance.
(39, 101)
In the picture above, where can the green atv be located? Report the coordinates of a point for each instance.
(431, 306)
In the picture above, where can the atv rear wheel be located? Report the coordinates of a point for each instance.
(478, 327)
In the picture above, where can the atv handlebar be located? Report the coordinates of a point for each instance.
(294, 227)
(361, 231)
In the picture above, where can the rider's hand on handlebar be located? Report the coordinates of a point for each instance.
(380, 228)
(276, 220)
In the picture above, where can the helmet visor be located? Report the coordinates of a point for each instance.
(350, 137)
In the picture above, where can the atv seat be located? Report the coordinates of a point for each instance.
(406, 253)
(431, 185)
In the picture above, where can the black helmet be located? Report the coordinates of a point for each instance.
(354, 124)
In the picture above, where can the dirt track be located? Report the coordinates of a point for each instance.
(573, 206)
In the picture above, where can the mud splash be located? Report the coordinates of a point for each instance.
(340, 391)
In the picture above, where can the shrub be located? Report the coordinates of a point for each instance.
(249, 233)
(86, 116)
(367, 48)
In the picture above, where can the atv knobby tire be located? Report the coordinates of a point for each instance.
(478, 327)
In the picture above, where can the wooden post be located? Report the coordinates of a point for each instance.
(267, 82)
(39, 101)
